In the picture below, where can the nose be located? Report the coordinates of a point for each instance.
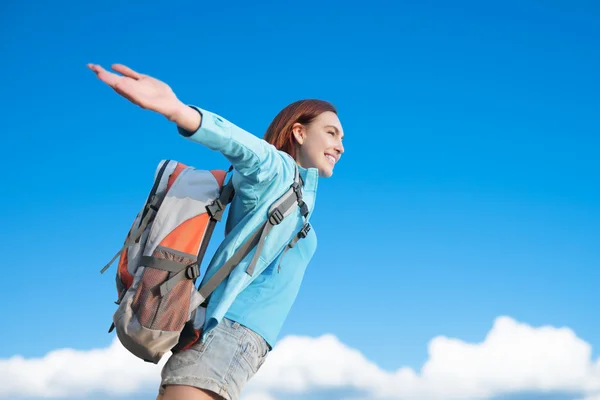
(340, 148)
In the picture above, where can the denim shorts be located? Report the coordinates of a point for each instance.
(223, 363)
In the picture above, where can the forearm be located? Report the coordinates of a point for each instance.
(251, 156)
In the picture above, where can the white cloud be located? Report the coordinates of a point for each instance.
(514, 357)
(67, 372)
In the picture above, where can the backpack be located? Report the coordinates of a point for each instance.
(164, 248)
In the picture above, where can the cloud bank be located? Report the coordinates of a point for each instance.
(514, 357)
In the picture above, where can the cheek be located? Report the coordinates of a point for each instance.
(311, 150)
(320, 146)
(314, 150)
(318, 152)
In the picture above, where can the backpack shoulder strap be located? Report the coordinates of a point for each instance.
(278, 211)
(303, 232)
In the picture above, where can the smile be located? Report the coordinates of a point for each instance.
(330, 158)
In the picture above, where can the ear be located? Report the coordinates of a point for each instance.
(299, 132)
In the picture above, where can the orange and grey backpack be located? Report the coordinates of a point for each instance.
(161, 257)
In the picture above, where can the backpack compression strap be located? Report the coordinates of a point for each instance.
(152, 210)
(153, 203)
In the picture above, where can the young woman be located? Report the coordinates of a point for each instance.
(245, 313)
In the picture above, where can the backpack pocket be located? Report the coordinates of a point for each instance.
(164, 311)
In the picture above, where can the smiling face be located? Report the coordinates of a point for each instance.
(319, 143)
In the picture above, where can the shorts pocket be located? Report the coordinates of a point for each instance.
(189, 356)
(254, 350)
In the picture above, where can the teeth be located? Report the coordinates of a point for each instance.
(330, 158)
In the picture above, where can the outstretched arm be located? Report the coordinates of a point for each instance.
(251, 156)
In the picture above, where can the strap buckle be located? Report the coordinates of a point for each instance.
(153, 204)
(276, 217)
(192, 271)
(304, 231)
(298, 190)
(303, 209)
(215, 210)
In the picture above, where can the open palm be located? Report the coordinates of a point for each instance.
(143, 90)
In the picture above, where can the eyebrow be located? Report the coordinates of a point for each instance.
(334, 128)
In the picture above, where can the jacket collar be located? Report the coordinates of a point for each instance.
(310, 176)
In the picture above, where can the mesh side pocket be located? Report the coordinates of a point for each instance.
(147, 299)
(174, 308)
(168, 313)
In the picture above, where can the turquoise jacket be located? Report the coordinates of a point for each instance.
(261, 175)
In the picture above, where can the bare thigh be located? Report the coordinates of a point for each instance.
(182, 392)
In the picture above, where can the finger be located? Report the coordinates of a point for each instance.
(126, 71)
(125, 94)
(107, 77)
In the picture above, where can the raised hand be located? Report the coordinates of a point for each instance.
(143, 90)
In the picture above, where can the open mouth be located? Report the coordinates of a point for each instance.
(331, 159)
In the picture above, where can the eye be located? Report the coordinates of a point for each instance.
(331, 132)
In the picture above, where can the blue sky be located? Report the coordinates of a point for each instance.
(469, 187)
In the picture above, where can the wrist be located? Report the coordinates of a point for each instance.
(186, 117)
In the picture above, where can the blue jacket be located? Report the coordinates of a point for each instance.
(261, 175)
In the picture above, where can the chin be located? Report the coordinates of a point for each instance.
(326, 173)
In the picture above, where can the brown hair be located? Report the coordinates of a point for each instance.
(279, 133)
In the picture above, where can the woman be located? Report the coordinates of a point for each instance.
(245, 313)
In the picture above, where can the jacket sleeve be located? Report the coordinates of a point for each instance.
(251, 156)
